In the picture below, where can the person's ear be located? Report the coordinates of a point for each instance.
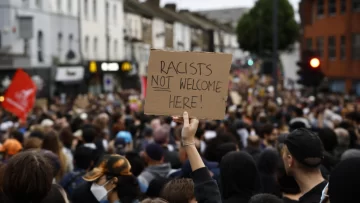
(290, 160)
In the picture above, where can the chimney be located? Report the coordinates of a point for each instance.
(171, 6)
(154, 2)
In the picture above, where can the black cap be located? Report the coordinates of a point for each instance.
(305, 146)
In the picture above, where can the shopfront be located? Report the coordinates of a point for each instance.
(112, 76)
(69, 81)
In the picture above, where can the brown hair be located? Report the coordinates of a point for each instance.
(32, 143)
(178, 191)
(52, 143)
(27, 177)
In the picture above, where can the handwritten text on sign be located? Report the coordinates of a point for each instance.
(195, 82)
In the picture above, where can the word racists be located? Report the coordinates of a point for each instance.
(191, 81)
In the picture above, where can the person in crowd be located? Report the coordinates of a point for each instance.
(26, 178)
(17, 135)
(265, 198)
(288, 186)
(52, 143)
(162, 137)
(268, 135)
(9, 149)
(253, 147)
(267, 165)
(56, 195)
(156, 187)
(156, 167)
(179, 191)
(54, 161)
(298, 120)
(155, 200)
(329, 140)
(302, 155)
(67, 138)
(136, 162)
(344, 183)
(47, 125)
(350, 153)
(343, 140)
(84, 161)
(239, 178)
(110, 181)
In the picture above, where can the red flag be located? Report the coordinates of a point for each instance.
(20, 96)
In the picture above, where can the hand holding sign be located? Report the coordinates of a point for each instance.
(187, 81)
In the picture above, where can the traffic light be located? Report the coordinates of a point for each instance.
(310, 74)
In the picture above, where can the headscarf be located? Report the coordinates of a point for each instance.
(239, 175)
(344, 182)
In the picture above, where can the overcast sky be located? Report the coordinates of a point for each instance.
(218, 4)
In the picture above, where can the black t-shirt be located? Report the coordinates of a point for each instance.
(287, 200)
(314, 195)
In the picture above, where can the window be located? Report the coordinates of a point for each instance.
(38, 3)
(343, 6)
(0, 39)
(86, 47)
(320, 7)
(59, 6)
(116, 48)
(115, 13)
(332, 7)
(69, 4)
(342, 47)
(95, 9)
(309, 43)
(40, 46)
(332, 47)
(86, 9)
(60, 39)
(356, 5)
(356, 46)
(25, 3)
(320, 46)
(95, 46)
(71, 41)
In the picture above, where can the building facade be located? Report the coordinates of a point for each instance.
(332, 28)
(39, 33)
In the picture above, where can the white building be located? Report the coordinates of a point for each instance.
(51, 27)
(102, 29)
(158, 33)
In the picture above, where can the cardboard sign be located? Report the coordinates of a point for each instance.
(195, 82)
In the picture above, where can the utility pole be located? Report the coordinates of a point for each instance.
(275, 46)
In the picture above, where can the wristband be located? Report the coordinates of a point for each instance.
(184, 144)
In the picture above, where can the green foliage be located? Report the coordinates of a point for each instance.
(257, 23)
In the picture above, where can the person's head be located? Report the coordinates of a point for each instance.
(56, 195)
(343, 137)
(156, 200)
(268, 133)
(225, 148)
(19, 136)
(53, 160)
(66, 137)
(328, 138)
(33, 143)
(112, 177)
(162, 135)
(154, 154)
(89, 134)
(265, 198)
(38, 134)
(179, 191)
(83, 158)
(344, 182)
(302, 152)
(52, 142)
(238, 175)
(156, 186)
(253, 141)
(268, 161)
(47, 125)
(10, 148)
(155, 123)
(136, 162)
(27, 177)
(350, 153)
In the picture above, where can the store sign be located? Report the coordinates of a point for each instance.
(109, 66)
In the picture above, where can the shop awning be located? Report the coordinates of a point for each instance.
(69, 74)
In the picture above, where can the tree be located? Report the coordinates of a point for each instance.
(255, 28)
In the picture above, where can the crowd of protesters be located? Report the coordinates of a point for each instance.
(293, 149)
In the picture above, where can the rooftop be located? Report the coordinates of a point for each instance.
(231, 15)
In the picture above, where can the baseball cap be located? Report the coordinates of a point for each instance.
(154, 152)
(11, 147)
(110, 165)
(125, 135)
(305, 146)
